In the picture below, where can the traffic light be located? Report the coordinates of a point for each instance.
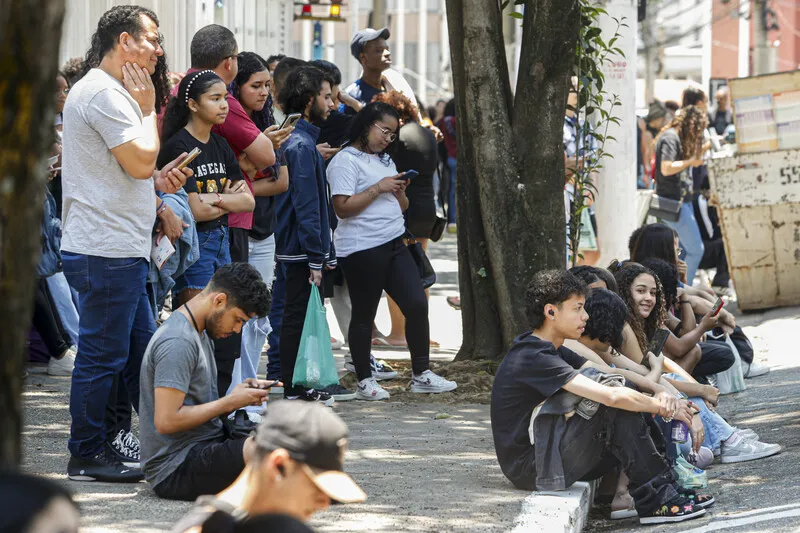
(336, 8)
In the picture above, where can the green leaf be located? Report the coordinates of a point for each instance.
(516, 15)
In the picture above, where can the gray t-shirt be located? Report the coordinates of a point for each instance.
(106, 211)
(176, 358)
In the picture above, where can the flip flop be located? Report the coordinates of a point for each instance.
(622, 514)
(454, 302)
(381, 342)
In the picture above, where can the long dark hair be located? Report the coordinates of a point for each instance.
(177, 113)
(668, 276)
(644, 329)
(653, 240)
(363, 121)
(111, 25)
(251, 63)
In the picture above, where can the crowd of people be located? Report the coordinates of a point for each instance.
(189, 215)
(590, 353)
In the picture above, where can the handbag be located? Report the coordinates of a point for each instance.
(665, 208)
(426, 273)
(440, 222)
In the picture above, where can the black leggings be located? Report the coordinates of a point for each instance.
(388, 267)
(716, 357)
(48, 322)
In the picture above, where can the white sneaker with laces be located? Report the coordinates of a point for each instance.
(63, 366)
(747, 450)
(754, 370)
(368, 389)
(430, 382)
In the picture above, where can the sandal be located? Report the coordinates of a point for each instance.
(381, 342)
(454, 302)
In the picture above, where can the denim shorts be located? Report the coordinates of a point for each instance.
(214, 253)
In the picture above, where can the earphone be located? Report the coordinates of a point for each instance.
(551, 313)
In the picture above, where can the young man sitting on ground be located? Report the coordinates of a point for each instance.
(536, 368)
(295, 471)
(186, 449)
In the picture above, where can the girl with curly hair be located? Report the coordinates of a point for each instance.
(679, 147)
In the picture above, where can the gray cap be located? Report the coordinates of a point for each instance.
(315, 436)
(362, 37)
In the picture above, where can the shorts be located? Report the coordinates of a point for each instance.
(209, 468)
(214, 254)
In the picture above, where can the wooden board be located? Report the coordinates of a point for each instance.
(759, 211)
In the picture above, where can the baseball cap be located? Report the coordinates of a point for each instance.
(316, 437)
(362, 37)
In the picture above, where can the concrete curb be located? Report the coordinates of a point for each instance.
(555, 512)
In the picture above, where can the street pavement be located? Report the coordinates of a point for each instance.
(431, 467)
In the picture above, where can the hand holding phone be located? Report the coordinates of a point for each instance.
(189, 158)
(291, 120)
(409, 175)
(717, 307)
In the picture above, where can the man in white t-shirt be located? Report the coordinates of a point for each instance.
(109, 215)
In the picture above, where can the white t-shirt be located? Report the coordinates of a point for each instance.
(106, 211)
(349, 173)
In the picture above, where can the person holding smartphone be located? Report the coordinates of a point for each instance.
(186, 449)
(369, 199)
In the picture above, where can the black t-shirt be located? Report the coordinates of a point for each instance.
(532, 371)
(668, 148)
(417, 150)
(335, 129)
(215, 165)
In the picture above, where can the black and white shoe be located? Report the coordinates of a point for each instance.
(125, 448)
(676, 510)
(380, 370)
(339, 393)
(312, 395)
(102, 467)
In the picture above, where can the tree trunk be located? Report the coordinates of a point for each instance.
(30, 31)
(511, 162)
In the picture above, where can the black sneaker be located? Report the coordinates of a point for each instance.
(125, 448)
(339, 393)
(676, 510)
(312, 395)
(102, 467)
(700, 501)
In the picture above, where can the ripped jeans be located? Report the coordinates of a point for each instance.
(716, 428)
(613, 437)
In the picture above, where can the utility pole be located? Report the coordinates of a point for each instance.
(379, 19)
(616, 184)
(763, 51)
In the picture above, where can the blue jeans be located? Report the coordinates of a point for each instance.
(255, 331)
(276, 320)
(451, 195)
(65, 305)
(116, 324)
(716, 429)
(215, 252)
(691, 240)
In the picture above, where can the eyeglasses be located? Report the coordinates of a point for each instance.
(388, 134)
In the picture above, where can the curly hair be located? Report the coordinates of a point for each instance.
(644, 329)
(177, 114)
(591, 274)
(127, 19)
(302, 85)
(667, 275)
(73, 70)
(690, 123)
(693, 96)
(363, 121)
(401, 103)
(653, 240)
(244, 286)
(607, 315)
(552, 287)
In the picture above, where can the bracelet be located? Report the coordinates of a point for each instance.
(219, 200)
(161, 208)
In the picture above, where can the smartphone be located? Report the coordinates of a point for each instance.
(291, 120)
(657, 344)
(410, 175)
(189, 158)
(717, 307)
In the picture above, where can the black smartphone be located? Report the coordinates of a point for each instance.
(410, 175)
(657, 343)
(717, 306)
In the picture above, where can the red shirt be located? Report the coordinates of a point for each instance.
(240, 132)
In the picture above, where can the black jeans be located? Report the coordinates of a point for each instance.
(209, 468)
(388, 267)
(297, 293)
(714, 257)
(611, 438)
(48, 322)
(716, 357)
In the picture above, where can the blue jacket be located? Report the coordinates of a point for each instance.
(303, 232)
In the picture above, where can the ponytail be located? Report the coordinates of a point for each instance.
(176, 117)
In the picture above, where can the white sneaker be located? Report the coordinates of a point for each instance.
(63, 366)
(754, 370)
(368, 389)
(430, 382)
(747, 434)
(747, 450)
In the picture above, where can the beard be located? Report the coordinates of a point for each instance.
(214, 326)
(318, 113)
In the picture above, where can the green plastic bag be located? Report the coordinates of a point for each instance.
(315, 367)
